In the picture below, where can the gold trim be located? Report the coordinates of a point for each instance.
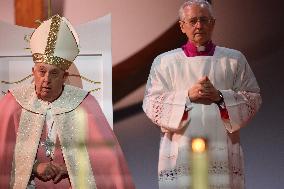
(38, 22)
(88, 80)
(85, 78)
(52, 35)
(94, 90)
(52, 60)
(17, 82)
(49, 10)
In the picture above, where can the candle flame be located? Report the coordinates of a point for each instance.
(198, 145)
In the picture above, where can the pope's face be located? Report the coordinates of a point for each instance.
(49, 81)
(197, 24)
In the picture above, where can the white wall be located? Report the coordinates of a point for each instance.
(7, 11)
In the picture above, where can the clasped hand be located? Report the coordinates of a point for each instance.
(50, 170)
(203, 92)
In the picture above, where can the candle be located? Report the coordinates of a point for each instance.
(82, 172)
(199, 164)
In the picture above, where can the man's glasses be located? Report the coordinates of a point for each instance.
(202, 20)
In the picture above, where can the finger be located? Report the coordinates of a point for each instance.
(205, 101)
(208, 84)
(201, 87)
(206, 87)
(206, 78)
(57, 178)
(209, 92)
(202, 80)
(202, 90)
(49, 177)
(45, 178)
(55, 168)
(52, 173)
(199, 93)
(206, 93)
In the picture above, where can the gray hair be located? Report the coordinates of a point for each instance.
(201, 3)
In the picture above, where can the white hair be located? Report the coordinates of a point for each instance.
(201, 3)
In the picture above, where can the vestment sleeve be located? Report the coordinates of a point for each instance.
(243, 100)
(162, 104)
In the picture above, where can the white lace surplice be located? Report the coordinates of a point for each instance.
(171, 75)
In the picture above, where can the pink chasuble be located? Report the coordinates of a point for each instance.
(106, 158)
(10, 113)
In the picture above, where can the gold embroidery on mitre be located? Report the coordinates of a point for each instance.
(52, 60)
(52, 35)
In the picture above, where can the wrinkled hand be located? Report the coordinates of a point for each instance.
(61, 172)
(50, 170)
(44, 171)
(203, 92)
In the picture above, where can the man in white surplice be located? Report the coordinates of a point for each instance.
(201, 90)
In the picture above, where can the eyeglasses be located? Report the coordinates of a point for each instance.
(203, 20)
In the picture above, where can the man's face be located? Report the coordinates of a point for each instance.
(198, 24)
(49, 81)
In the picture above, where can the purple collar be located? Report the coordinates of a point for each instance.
(191, 50)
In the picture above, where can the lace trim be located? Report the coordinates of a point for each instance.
(173, 174)
(237, 171)
(184, 170)
(158, 108)
(220, 186)
(251, 105)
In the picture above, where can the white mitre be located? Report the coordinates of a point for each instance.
(55, 42)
